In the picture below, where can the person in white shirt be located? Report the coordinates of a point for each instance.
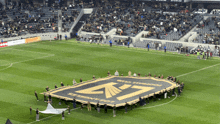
(134, 75)
(116, 73)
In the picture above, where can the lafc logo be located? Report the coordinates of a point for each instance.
(111, 90)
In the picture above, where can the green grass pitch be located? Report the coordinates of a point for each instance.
(29, 67)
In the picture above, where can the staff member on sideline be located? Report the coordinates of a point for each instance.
(165, 49)
(110, 43)
(36, 95)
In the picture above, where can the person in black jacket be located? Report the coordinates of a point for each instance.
(140, 101)
(74, 103)
(62, 84)
(36, 95)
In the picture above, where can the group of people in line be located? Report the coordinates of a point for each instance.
(167, 93)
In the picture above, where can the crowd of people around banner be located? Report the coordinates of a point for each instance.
(142, 100)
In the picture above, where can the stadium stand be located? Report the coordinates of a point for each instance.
(176, 25)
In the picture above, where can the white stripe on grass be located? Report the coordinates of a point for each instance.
(25, 61)
(159, 104)
(198, 70)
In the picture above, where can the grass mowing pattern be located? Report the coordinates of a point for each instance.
(45, 63)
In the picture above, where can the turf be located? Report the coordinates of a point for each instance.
(29, 67)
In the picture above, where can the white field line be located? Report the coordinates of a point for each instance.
(160, 104)
(26, 60)
(198, 70)
(49, 117)
(6, 67)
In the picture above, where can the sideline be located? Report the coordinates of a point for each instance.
(49, 117)
(160, 104)
(198, 70)
(135, 49)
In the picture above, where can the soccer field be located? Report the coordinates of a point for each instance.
(29, 67)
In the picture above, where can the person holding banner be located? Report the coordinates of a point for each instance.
(98, 107)
(74, 103)
(89, 106)
(114, 111)
(37, 115)
(165, 94)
